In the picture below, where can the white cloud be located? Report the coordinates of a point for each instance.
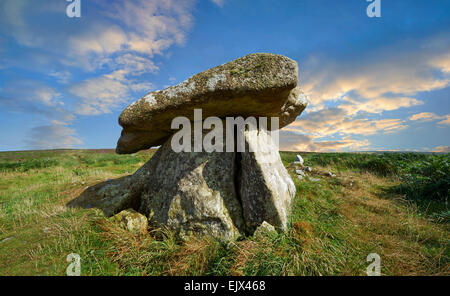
(441, 62)
(311, 131)
(48, 96)
(99, 40)
(104, 93)
(99, 95)
(134, 64)
(151, 26)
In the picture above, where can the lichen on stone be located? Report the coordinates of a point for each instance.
(214, 80)
(150, 99)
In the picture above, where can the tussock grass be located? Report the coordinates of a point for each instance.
(335, 223)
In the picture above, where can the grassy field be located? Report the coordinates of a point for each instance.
(393, 204)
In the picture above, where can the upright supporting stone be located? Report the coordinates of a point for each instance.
(193, 192)
(266, 187)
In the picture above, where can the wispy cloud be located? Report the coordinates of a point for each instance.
(377, 104)
(103, 93)
(55, 135)
(219, 3)
(446, 120)
(381, 80)
(424, 116)
(293, 141)
(429, 116)
(445, 149)
(148, 28)
(29, 96)
(333, 121)
(61, 76)
(99, 95)
(152, 26)
(40, 100)
(100, 63)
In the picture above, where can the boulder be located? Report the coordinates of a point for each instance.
(264, 229)
(298, 159)
(259, 85)
(300, 172)
(132, 221)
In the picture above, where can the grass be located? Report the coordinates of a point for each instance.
(395, 205)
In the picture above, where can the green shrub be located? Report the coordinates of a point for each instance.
(382, 164)
(423, 176)
(379, 165)
(109, 159)
(428, 179)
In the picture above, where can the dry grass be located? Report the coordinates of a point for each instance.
(401, 235)
(244, 252)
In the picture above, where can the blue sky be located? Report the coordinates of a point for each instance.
(373, 83)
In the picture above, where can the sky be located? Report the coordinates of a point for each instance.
(372, 83)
